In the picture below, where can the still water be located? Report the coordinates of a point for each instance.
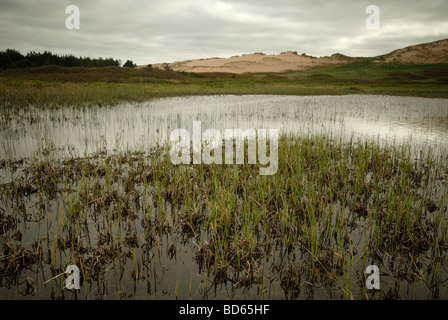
(420, 121)
(140, 126)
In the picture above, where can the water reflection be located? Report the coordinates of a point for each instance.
(134, 126)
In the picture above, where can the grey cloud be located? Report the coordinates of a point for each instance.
(155, 31)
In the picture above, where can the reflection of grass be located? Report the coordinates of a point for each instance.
(331, 209)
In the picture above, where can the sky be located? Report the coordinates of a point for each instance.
(173, 30)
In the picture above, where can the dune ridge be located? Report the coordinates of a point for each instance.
(432, 52)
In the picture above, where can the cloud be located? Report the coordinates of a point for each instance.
(155, 31)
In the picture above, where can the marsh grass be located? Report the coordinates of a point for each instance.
(110, 86)
(332, 208)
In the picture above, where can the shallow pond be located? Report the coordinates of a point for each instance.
(139, 126)
(74, 191)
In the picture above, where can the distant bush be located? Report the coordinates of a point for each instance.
(129, 64)
(167, 67)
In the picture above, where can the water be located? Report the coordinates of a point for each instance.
(140, 126)
(420, 121)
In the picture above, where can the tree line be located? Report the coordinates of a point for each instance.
(11, 58)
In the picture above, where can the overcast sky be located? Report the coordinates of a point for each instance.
(150, 31)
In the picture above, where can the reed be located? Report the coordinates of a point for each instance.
(332, 203)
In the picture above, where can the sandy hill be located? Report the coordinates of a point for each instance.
(258, 62)
(433, 52)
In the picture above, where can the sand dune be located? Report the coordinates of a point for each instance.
(258, 62)
(433, 52)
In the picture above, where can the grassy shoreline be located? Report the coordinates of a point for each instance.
(52, 86)
(16, 95)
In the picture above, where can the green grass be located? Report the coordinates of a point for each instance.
(58, 86)
(331, 208)
(19, 94)
(370, 70)
(320, 213)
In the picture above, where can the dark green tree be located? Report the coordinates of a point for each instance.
(11, 59)
(129, 64)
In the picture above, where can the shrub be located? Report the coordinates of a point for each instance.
(129, 64)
